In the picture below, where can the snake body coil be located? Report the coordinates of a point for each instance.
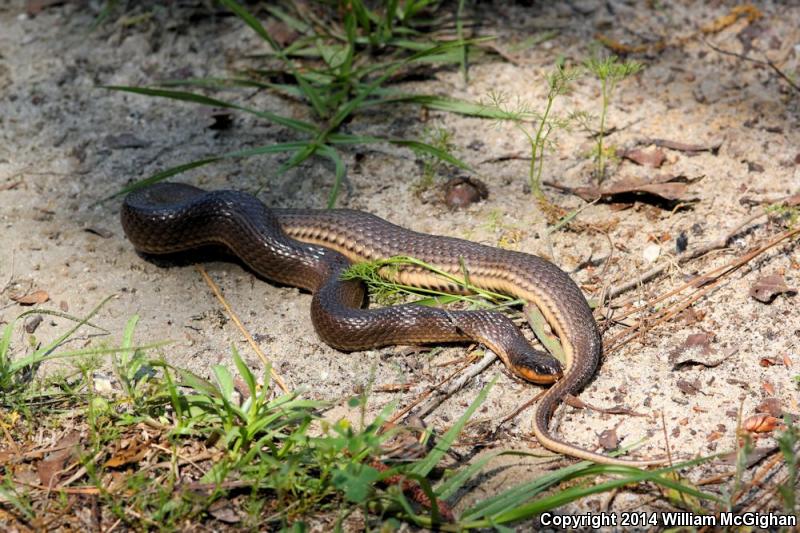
(309, 249)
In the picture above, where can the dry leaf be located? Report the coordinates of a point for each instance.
(666, 186)
(32, 323)
(765, 289)
(36, 297)
(652, 158)
(100, 232)
(760, 423)
(461, 192)
(688, 388)
(685, 147)
(714, 435)
(697, 350)
(609, 440)
(771, 406)
(34, 7)
(769, 387)
(224, 511)
(49, 469)
(128, 451)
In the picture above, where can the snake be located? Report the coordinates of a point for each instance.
(310, 249)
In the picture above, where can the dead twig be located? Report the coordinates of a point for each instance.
(720, 242)
(707, 281)
(440, 395)
(766, 61)
(215, 288)
(488, 358)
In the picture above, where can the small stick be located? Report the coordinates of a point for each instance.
(440, 395)
(767, 62)
(250, 340)
(720, 242)
(718, 273)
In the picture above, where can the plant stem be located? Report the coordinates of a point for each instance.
(601, 164)
(538, 144)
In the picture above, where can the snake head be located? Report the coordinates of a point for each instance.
(537, 367)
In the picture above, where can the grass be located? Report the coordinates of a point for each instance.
(170, 448)
(340, 65)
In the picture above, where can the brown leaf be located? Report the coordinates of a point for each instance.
(281, 32)
(609, 440)
(767, 362)
(224, 511)
(36, 297)
(766, 288)
(714, 435)
(652, 158)
(769, 387)
(34, 7)
(771, 406)
(668, 187)
(697, 350)
(128, 451)
(684, 147)
(753, 458)
(32, 323)
(100, 232)
(49, 469)
(688, 388)
(760, 423)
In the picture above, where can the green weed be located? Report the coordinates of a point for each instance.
(610, 71)
(537, 127)
(432, 165)
(273, 460)
(336, 67)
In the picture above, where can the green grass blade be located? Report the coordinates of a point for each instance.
(417, 146)
(184, 96)
(43, 352)
(160, 176)
(425, 148)
(245, 372)
(423, 467)
(340, 171)
(294, 23)
(448, 487)
(251, 21)
(224, 381)
(507, 499)
(127, 336)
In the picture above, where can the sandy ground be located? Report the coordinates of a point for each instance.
(65, 143)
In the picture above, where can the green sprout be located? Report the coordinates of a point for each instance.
(610, 72)
(536, 127)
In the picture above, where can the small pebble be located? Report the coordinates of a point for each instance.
(651, 253)
(32, 323)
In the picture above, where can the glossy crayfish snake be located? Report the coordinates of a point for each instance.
(309, 249)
